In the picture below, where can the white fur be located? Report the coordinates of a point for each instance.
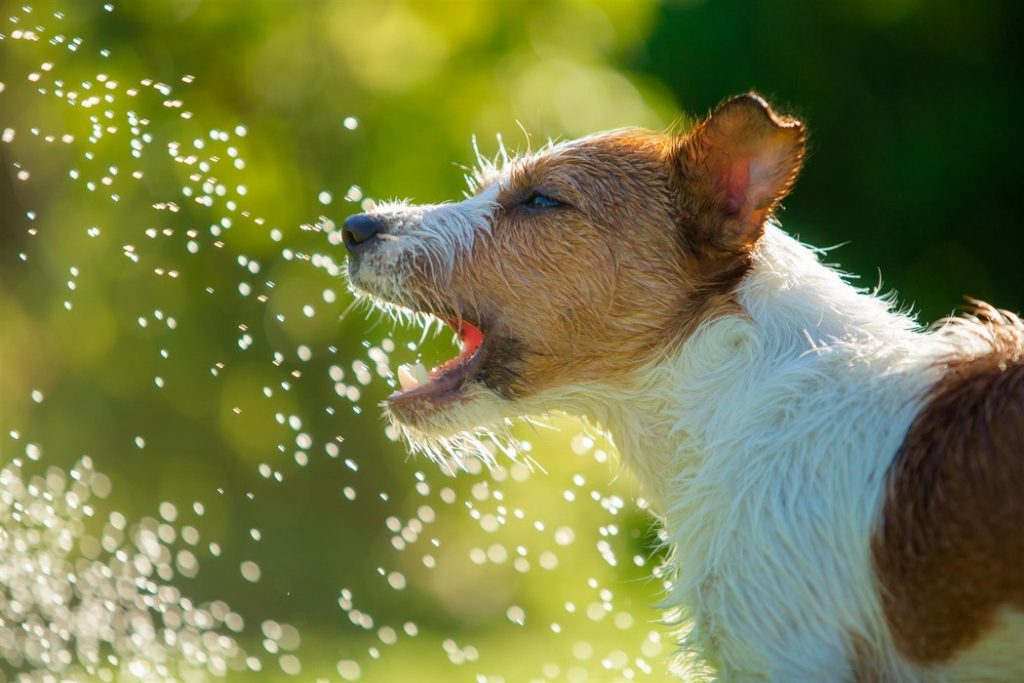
(432, 236)
(765, 441)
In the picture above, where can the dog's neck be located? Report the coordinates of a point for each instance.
(797, 315)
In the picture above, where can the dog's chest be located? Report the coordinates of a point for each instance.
(771, 525)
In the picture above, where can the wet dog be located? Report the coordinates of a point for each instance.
(843, 492)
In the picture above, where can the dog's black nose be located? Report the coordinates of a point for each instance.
(359, 230)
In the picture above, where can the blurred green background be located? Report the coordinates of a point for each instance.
(914, 108)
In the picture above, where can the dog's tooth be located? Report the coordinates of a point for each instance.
(406, 378)
(420, 373)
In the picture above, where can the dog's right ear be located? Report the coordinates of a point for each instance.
(735, 168)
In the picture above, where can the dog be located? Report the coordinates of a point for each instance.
(843, 491)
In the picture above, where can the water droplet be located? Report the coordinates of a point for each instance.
(290, 665)
(349, 670)
(397, 581)
(168, 511)
(564, 535)
(516, 614)
(250, 571)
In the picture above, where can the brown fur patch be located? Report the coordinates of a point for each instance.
(950, 549)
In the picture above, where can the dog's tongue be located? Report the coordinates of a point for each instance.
(414, 375)
(471, 338)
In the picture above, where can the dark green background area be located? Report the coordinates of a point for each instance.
(914, 111)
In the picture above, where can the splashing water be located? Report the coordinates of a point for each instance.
(82, 606)
(482, 567)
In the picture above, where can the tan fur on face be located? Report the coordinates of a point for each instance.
(633, 261)
(950, 553)
(589, 289)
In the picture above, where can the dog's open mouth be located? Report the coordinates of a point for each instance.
(444, 382)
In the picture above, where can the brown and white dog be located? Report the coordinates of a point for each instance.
(843, 492)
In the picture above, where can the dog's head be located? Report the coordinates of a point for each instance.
(575, 265)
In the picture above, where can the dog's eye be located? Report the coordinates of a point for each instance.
(541, 201)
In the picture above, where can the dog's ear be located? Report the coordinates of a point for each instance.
(736, 166)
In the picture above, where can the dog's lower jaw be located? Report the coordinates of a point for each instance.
(467, 425)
